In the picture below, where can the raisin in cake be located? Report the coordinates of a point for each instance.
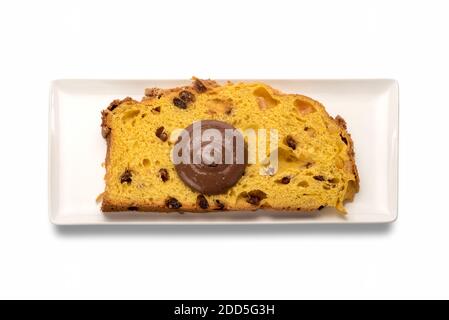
(316, 166)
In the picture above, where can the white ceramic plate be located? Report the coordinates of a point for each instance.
(77, 149)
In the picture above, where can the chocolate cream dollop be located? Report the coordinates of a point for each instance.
(220, 160)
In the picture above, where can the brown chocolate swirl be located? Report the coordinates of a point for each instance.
(208, 177)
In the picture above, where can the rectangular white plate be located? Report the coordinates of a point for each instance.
(77, 150)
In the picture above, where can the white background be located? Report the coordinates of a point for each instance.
(45, 40)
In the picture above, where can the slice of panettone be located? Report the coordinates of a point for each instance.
(315, 168)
